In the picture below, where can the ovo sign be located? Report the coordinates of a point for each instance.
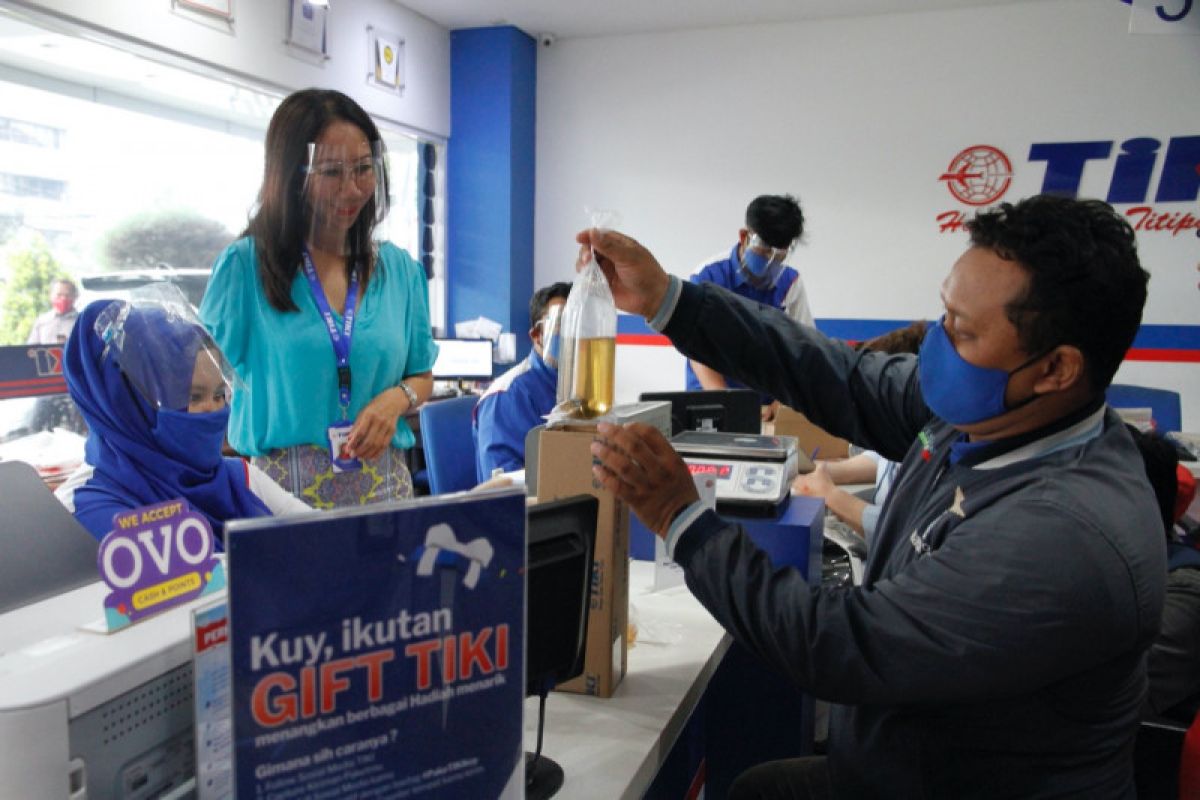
(156, 557)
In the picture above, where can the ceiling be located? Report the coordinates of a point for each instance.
(77, 60)
(564, 19)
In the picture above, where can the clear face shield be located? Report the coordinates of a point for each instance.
(342, 182)
(551, 327)
(164, 351)
(763, 263)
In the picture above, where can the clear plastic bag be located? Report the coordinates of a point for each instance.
(588, 330)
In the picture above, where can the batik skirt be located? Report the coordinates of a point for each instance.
(307, 472)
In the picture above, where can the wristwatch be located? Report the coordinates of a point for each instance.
(413, 401)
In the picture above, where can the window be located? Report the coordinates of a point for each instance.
(116, 169)
(21, 132)
(123, 163)
(32, 186)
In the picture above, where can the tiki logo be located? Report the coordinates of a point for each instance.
(979, 175)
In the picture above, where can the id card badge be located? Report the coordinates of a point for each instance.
(339, 448)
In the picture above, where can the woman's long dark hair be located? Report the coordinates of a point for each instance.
(280, 219)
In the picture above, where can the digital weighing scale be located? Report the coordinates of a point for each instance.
(753, 473)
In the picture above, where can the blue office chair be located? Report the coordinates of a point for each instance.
(1164, 404)
(448, 444)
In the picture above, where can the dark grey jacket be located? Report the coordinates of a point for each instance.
(996, 647)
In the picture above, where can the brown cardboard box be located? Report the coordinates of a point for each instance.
(789, 422)
(565, 469)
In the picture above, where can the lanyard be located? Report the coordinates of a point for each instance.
(340, 339)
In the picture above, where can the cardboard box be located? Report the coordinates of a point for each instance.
(789, 422)
(565, 469)
(656, 413)
(651, 412)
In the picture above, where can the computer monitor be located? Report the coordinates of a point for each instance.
(725, 410)
(463, 360)
(46, 551)
(560, 542)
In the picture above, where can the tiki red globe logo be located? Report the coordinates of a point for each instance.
(979, 175)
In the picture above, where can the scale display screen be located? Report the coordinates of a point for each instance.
(718, 471)
(748, 481)
(752, 473)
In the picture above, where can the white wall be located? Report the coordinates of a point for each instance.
(858, 117)
(256, 49)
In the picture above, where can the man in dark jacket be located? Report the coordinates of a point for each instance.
(996, 646)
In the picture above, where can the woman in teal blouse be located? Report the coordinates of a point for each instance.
(328, 330)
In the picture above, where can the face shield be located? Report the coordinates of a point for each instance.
(164, 351)
(342, 182)
(763, 263)
(551, 326)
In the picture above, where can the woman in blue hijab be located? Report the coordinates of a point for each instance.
(151, 385)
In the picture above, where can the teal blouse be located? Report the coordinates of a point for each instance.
(285, 360)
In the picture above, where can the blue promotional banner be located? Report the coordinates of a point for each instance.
(31, 370)
(378, 652)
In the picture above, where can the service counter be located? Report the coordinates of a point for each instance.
(614, 747)
(693, 704)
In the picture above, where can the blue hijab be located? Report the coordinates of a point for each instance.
(142, 454)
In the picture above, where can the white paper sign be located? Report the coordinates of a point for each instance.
(480, 328)
(214, 736)
(307, 26)
(387, 59)
(506, 348)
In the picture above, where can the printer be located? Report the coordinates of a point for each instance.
(84, 714)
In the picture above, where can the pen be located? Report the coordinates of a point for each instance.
(816, 450)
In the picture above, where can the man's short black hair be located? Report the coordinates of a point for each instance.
(1086, 284)
(776, 218)
(542, 297)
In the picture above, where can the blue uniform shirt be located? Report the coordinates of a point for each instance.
(516, 402)
(787, 294)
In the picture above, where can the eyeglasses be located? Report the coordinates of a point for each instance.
(773, 255)
(362, 173)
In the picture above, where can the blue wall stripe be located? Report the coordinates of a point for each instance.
(1169, 337)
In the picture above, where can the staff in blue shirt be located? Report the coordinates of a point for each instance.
(755, 269)
(521, 398)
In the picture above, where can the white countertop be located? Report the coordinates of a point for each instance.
(608, 748)
(612, 748)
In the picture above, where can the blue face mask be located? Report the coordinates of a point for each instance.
(755, 263)
(760, 271)
(192, 439)
(762, 264)
(958, 391)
